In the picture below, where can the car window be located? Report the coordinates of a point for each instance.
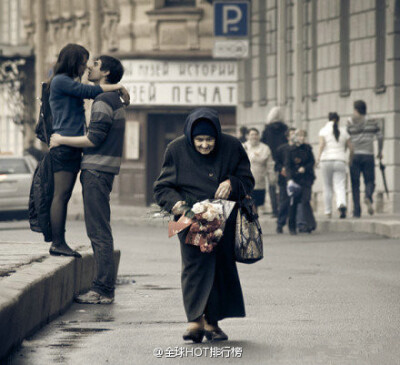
(13, 166)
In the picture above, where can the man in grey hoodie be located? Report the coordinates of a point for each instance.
(362, 132)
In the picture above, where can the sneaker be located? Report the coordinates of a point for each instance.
(279, 229)
(92, 297)
(368, 202)
(342, 210)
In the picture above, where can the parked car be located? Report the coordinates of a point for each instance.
(16, 174)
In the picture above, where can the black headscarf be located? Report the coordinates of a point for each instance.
(202, 113)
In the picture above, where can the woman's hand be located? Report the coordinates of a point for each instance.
(224, 189)
(55, 140)
(125, 95)
(178, 208)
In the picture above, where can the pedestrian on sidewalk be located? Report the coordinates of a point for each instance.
(284, 200)
(102, 155)
(66, 103)
(260, 157)
(274, 135)
(300, 170)
(206, 164)
(242, 135)
(363, 131)
(333, 143)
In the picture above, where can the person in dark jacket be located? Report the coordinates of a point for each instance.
(206, 164)
(274, 135)
(284, 200)
(66, 103)
(299, 168)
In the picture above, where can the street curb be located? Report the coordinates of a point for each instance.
(35, 295)
(387, 228)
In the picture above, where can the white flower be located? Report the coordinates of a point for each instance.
(218, 208)
(218, 233)
(198, 208)
(210, 215)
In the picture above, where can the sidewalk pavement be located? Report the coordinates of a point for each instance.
(381, 224)
(36, 287)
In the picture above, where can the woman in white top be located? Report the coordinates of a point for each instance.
(260, 157)
(333, 143)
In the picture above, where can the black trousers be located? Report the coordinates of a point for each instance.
(284, 204)
(362, 164)
(307, 215)
(96, 189)
(274, 201)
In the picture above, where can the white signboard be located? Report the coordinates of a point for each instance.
(152, 82)
(238, 48)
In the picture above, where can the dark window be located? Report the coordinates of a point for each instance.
(171, 3)
(380, 48)
(344, 48)
(314, 49)
(262, 65)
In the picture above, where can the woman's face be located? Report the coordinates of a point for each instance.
(204, 144)
(254, 138)
(82, 67)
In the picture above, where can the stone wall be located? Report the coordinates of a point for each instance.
(322, 86)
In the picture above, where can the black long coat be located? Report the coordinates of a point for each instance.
(40, 198)
(210, 281)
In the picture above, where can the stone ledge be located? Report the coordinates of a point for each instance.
(35, 295)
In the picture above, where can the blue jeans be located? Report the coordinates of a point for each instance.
(362, 164)
(96, 189)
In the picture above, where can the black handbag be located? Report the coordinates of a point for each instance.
(248, 235)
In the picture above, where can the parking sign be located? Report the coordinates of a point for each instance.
(231, 18)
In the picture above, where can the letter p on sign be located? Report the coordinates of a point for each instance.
(231, 18)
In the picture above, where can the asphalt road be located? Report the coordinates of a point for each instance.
(314, 299)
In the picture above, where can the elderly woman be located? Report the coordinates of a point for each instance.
(205, 164)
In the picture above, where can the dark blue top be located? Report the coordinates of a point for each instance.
(66, 103)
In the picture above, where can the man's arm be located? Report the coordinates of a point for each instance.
(379, 137)
(77, 142)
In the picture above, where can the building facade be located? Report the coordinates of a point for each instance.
(316, 56)
(166, 48)
(16, 94)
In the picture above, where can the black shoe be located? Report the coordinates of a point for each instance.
(342, 210)
(63, 250)
(292, 232)
(305, 230)
(216, 335)
(356, 215)
(194, 335)
(279, 229)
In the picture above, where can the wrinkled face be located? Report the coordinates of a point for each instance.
(95, 74)
(253, 138)
(204, 144)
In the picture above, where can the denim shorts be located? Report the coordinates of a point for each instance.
(65, 158)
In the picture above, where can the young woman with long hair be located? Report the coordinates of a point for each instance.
(333, 143)
(67, 94)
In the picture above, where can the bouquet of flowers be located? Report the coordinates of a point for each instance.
(206, 220)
